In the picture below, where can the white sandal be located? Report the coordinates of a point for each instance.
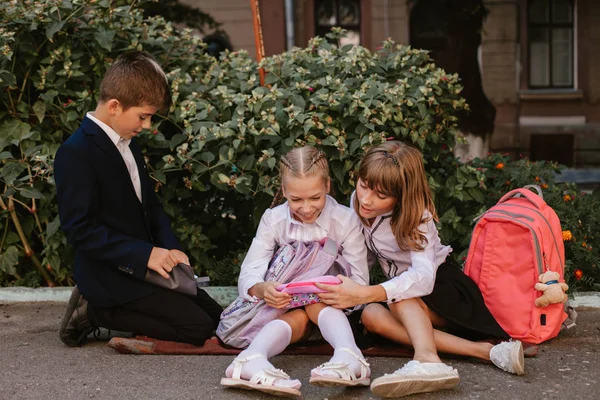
(263, 381)
(346, 375)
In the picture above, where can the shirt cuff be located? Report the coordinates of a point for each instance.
(390, 291)
(247, 286)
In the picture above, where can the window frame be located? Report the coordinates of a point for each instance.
(550, 25)
(321, 30)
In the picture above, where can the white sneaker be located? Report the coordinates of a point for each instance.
(508, 356)
(416, 377)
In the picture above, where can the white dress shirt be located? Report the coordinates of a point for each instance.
(123, 147)
(411, 274)
(277, 227)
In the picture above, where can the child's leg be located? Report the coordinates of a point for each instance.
(379, 320)
(209, 305)
(336, 330)
(418, 327)
(164, 314)
(272, 339)
(426, 372)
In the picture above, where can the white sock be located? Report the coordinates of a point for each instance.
(272, 339)
(336, 329)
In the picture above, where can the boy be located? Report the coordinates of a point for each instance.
(111, 215)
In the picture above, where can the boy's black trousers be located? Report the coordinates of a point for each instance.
(164, 315)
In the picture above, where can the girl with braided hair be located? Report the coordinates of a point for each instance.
(308, 215)
(425, 287)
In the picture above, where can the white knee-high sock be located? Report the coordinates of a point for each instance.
(272, 339)
(335, 328)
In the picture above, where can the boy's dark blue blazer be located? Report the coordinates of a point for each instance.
(111, 231)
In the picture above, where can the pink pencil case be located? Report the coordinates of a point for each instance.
(305, 292)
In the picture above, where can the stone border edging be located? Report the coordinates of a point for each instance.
(224, 295)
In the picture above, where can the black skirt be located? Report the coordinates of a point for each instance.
(457, 299)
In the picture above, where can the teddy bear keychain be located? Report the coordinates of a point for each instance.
(553, 290)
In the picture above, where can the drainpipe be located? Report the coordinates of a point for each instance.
(289, 24)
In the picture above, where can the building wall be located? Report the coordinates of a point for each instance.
(235, 17)
(523, 112)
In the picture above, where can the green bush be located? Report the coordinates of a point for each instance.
(213, 158)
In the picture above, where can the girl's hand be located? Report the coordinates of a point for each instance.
(273, 297)
(345, 295)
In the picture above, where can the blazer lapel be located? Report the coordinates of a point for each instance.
(101, 139)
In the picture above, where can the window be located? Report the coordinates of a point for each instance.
(342, 13)
(553, 147)
(551, 38)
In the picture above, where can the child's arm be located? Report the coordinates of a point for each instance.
(354, 250)
(418, 280)
(251, 282)
(78, 207)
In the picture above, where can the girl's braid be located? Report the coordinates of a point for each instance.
(316, 159)
(283, 160)
(277, 199)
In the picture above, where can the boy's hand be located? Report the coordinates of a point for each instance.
(180, 256)
(163, 260)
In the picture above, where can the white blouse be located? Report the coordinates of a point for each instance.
(411, 274)
(277, 227)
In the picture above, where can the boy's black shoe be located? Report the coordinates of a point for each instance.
(75, 325)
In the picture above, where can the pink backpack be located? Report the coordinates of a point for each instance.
(512, 244)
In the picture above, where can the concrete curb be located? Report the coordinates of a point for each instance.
(224, 295)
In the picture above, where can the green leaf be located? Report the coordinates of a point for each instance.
(11, 171)
(476, 194)
(160, 175)
(8, 260)
(246, 163)
(30, 193)
(105, 38)
(7, 78)
(39, 108)
(13, 131)
(52, 227)
(72, 115)
(53, 28)
(207, 157)
(223, 178)
(177, 139)
(422, 110)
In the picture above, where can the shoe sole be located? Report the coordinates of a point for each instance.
(71, 306)
(519, 357)
(324, 381)
(397, 386)
(270, 389)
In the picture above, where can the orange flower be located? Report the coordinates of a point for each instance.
(537, 178)
(544, 186)
(583, 244)
(507, 183)
(567, 197)
(578, 274)
(566, 236)
(499, 165)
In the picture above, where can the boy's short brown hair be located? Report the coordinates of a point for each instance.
(135, 79)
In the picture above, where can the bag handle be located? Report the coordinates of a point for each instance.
(536, 200)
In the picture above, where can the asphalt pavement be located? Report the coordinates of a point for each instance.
(34, 364)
